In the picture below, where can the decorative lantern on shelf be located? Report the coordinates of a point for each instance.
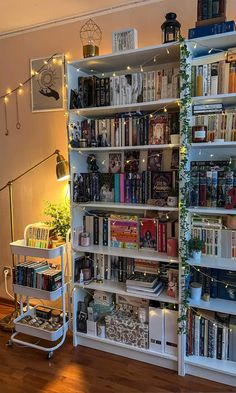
(171, 28)
(91, 36)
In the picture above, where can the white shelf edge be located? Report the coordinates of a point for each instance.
(18, 247)
(121, 148)
(128, 347)
(132, 206)
(140, 106)
(118, 288)
(39, 293)
(127, 252)
(216, 304)
(212, 145)
(223, 366)
(215, 263)
(212, 210)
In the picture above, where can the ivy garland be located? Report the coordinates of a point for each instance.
(184, 178)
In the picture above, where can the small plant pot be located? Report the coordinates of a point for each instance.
(172, 201)
(174, 139)
(196, 291)
(197, 256)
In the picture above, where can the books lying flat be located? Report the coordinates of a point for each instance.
(146, 290)
(142, 280)
(157, 292)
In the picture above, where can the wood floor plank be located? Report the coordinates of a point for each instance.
(84, 370)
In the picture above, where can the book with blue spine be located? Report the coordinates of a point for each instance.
(218, 28)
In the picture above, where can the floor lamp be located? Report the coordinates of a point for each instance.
(62, 173)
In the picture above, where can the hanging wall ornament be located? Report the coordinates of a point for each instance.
(18, 125)
(5, 114)
(91, 36)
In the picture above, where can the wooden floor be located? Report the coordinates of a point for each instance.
(83, 370)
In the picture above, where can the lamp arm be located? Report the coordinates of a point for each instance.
(56, 152)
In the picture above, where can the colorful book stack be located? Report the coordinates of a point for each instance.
(210, 183)
(211, 335)
(219, 126)
(38, 275)
(38, 235)
(214, 78)
(126, 89)
(124, 130)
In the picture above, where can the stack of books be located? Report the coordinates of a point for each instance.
(142, 283)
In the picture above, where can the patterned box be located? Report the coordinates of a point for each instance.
(127, 329)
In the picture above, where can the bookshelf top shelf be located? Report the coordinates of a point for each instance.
(217, 41)
(119, 288)
(164, 53)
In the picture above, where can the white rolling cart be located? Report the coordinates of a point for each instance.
(19, 249)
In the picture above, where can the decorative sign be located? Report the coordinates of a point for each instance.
(208, 108)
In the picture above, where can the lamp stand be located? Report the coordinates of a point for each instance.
(7, 323)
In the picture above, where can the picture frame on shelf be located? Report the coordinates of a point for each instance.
(47, 86)
(124, 40)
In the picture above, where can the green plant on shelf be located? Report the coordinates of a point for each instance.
(195, 244)
(59, 214)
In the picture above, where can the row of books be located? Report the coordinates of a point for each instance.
(211, 29)
(125, 89)
(99, 267)
(212, 79)
(38, 235)
(219, 126)
(210, 183)
(123, 187)
(129, 231)
(208, 9)
(125, 130)
(216, 282)
(38, 275)
(211, 335)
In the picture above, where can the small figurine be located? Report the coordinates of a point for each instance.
(92, 163)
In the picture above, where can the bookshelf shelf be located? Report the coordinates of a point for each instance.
(212, 211)
(119, 61)
(129, 347)
(126, 206)
(215, 263)
(212, 145)
(220, 367)
(171, 103)
(119, 288)
(226, 99)
(124, 148)
(218, 305)
(126, 253)
(217, 41)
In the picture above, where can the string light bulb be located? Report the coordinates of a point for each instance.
(128, 68)
(45, 62)
(6, 100)
(210, 50)
(141, 68)
(165, 109)
(167, 51)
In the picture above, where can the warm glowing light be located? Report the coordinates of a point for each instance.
(165, 109)
(20, 91)
(20, 84)
(167, 51)
(141, 68)
(128, 68)
(64, 178)
(9, 91)
(114, 74)
(6, 99)
(54, 60)
(45, 62)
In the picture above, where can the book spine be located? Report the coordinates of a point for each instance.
(219, 342)
(193, 81)
(199, 83)
(128, 187)
(214, 187)
(95, 230)
(117, 187)
(202, 189)
(122, 187)
(105, 231)
(199, 10)
(107, 91)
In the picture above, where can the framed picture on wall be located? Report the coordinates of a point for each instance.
(124, 40)
(47, 84)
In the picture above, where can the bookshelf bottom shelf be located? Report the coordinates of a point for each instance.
(143, 355)
(222, 371)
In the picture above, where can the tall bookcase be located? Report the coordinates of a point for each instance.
(149, 58)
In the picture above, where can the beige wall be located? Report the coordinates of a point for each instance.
(42, 133)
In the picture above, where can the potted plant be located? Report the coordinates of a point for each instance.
(172, 199)
(59, 214)
(174, 132)
(195, 248)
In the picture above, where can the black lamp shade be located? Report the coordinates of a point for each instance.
(62, 168)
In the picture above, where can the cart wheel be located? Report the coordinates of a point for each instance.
(9, 343)
(49, 355)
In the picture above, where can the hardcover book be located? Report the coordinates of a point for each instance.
(148, 233)
(161, 185)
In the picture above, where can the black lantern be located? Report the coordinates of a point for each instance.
(170, 28)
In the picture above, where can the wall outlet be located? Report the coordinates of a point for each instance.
(8, 270)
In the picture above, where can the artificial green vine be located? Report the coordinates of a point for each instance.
(184, 176)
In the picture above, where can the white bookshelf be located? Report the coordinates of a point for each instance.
(218, 370)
